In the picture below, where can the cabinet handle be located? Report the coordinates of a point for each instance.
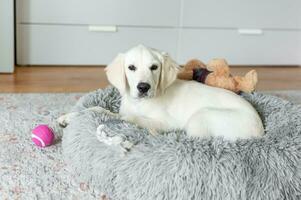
(250, 31)
(94, 28)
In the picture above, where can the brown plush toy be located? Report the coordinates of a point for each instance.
(217, 74)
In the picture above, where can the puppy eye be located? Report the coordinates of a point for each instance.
(132, 67)
(154, 67)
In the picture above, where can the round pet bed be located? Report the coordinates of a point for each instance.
(173, 166)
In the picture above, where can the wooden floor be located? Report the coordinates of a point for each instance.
(83, 79)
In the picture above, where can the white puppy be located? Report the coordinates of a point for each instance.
(153, 98)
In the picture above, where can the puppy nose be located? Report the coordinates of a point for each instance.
(143, 87)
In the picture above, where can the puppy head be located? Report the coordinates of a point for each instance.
(142, 72)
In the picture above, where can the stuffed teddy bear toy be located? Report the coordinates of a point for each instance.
(217, 74)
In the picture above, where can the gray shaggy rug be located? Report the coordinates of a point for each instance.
(174, 166)
(28, 172)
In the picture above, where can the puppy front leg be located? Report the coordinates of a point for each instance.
(64, 120)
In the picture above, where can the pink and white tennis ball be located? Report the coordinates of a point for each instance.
(42, 136)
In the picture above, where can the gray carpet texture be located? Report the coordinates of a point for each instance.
(174, 166)
(29, 172)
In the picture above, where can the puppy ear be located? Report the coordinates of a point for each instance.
(116, 74)
(169, 71)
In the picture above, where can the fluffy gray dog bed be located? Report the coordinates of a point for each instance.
(173, 166)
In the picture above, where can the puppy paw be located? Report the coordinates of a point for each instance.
(103, 135)
(126, 145)
(64, 120)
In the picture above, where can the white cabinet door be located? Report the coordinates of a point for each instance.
(6, 36)
(103, 12)
(270, 48)
(278, 14)
(76, 45)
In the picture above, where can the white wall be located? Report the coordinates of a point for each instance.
(6, 36)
